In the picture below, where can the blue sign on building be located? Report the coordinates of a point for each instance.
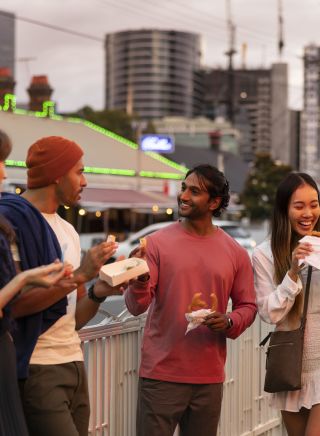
(157, 143)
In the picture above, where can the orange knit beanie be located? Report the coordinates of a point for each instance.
(50, 158)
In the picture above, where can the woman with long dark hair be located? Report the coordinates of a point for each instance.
(280, 280)
(11, 415)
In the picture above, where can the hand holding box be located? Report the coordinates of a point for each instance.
(123, 271)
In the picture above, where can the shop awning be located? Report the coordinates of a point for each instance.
(97, 198)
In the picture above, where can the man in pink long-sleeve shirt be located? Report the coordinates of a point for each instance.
(181, 375)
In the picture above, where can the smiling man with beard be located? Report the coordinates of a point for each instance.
(51, 371)
(181, 375)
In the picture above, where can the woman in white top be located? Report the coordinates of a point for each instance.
(279, 282)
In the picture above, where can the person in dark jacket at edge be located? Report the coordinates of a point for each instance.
(51, 371)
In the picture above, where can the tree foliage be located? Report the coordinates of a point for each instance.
(117, 121)
(261, 185)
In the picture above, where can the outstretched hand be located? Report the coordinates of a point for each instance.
(47, 275)
(139, 252)
(94, 259)
(301, 251)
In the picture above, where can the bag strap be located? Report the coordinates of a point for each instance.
(305, 308)
(265, 340)
(306, 299)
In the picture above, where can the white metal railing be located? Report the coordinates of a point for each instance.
(112, 355)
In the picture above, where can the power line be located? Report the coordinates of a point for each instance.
(163, 16)
(57, 28)
(210, 19)
(124, 5)
(257, 35)
(185, 17)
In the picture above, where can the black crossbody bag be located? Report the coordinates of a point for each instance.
(284, 354)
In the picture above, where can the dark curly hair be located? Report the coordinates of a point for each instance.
(5, 145)
(5, 149)
(213, 181)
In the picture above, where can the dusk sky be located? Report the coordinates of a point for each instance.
(75, 64)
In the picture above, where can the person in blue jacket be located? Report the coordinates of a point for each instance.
(12, 422)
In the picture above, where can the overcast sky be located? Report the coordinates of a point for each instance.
(75, 65)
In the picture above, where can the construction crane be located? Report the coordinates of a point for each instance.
(231, 28)
(280, 28)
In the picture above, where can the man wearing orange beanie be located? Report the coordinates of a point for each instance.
(50, 158)
(50, 361)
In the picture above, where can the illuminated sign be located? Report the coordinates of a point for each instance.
(158, 143)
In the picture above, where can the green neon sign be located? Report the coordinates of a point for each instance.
(15, 163)
(9, 103)
(48, 111)
(111, 171)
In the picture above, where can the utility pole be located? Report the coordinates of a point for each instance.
(231, 28)
(244, 56)
(26, 61)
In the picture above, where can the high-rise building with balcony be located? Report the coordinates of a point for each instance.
(153, 73)
(7, 40)
(310, 117)
(259, 100)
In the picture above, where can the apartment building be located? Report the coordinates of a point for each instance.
(7, 40)
(153, 73)
(310, 138)
(259, 100)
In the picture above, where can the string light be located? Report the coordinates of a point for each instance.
(155, 208)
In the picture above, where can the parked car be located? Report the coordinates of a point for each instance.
(133, 240)
(233, 228)
(238, 232)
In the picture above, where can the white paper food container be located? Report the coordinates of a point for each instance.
(118, 272)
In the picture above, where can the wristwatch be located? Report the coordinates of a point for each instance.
(93, 296)
(143, 277)
(229, 321)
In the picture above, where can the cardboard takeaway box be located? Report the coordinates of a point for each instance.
(119, 272)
